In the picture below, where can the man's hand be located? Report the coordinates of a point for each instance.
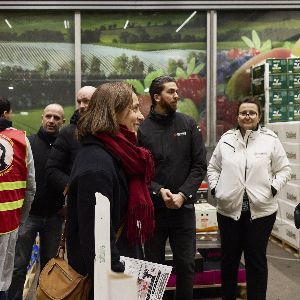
(172, 201)
(177, 201)
(167, 196)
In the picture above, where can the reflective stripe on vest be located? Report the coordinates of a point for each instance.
(15, 185)
(11, 205)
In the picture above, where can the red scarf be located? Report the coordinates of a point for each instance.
(139, 165)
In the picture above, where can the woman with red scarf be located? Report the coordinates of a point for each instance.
(110, 163)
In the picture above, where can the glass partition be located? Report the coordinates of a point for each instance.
(247, 38)
(36, 63)
(139, 46)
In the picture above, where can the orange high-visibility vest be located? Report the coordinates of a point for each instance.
(13, 175)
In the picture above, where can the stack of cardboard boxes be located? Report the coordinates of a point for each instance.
(289, 197)
(276, 83)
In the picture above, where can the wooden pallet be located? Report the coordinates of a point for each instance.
(29, 280)
(242, 289)
(285, 245)
(241, 286)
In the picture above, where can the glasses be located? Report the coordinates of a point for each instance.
(250, 114)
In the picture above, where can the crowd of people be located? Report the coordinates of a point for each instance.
(150, 168)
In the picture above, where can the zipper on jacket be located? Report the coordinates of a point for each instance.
(246, 178)
(230, 146)
(246, 158)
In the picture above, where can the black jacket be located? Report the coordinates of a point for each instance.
(95, 170)
(47, 200)
(180, 156)
(62, 155)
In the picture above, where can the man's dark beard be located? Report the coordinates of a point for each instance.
(166, 107)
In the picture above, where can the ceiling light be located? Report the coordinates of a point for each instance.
(186, 21)
(66, 24)
(10, 87)
(8, 24)
(126, 24)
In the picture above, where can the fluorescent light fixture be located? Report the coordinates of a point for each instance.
(8, 24)
(126, 24)
(66, 24)
(186, 21)
(10, 87)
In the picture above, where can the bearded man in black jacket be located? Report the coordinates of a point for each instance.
(45, 215)
(66, 146)
(180, 166)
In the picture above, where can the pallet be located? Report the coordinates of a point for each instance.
(285, 245)
(242, 289)
(29, 280)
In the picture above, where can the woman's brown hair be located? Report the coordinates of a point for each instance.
(101, 114)
(250, 99)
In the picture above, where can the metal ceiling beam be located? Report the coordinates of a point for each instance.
(149, 5)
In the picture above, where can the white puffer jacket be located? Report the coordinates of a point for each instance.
(254, 162)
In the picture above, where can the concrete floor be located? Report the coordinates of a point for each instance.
(284, 277)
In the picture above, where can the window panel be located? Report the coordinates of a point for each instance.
(139, 46)
(247, 38)
(36, 63)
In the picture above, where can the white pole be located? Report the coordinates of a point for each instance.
(102, 247)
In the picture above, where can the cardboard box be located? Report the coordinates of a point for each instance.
(292, 151)
(278, 97)
(294, 96)
(291, 234)
(278, 81)
(258, 71)
(258, 86)
(295, 171)
(278, 129)
(261, 99)
(278, 113)
(291, 131)
(277, 66)
(291, 192)
(294, 112)
(278, 228)
(286, 211)
(293, 81)
(202, 193)
(206, 216)
(293, 65)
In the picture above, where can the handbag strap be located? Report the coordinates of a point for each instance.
(120, 230)
(62, 244)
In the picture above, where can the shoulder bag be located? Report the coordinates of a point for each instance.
(59, 281)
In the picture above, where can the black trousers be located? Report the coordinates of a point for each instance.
(183, 245)
(250, 236)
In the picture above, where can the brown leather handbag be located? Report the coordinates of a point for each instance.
(59, 281)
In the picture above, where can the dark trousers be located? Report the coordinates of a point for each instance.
(3, 295)
(50, 229)
(250, 236)
(183, 245)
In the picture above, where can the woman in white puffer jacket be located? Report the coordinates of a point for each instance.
(246, 171)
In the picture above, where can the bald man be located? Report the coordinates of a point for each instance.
(66, 146)
(45, 214)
